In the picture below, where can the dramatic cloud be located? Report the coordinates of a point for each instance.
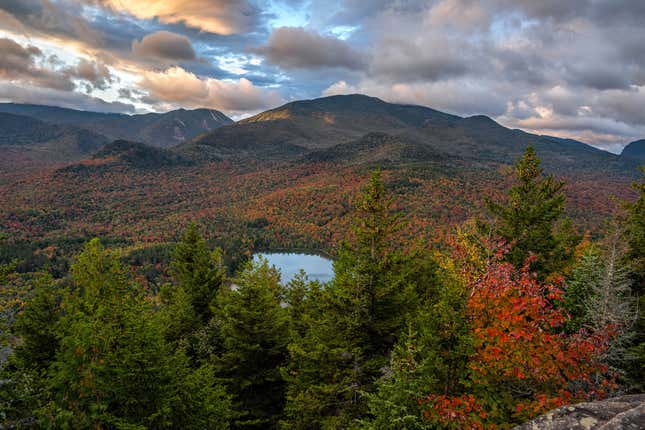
(96, 75)
(402, 60)
(164, 45)
(457, 96)
(572, 68)
(68, 99)
(297, 48)
(48, 18)
(215, 16)
(19, 64)
(177, 87)
(29, 65)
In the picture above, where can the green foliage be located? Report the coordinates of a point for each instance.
(635, 236)
(404, 337)
(530, 219)
(36, 326)
(586, 273)
(599, 297)
(395, 404)
(23, 383)
(103, 362)
(369, 281)
(198, 271)
(432, 357)
(349, 328)
(254, 331)
(178, 315)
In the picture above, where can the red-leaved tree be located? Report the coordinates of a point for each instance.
(523, 363)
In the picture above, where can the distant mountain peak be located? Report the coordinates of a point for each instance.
(634, 150)
(157, 129)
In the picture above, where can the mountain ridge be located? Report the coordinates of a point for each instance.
(37, 140)
(158, 129)
(287, 132)
(634, 150)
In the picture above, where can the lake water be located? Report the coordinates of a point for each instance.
(316, 267)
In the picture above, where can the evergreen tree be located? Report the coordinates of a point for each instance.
(23, 386)
(369, 276)
(36, 326)
(586, 273)
(530, 219)
(198, 271)
(635, 236)
(297, 300)
(254, 334)
(599, 297)
(395, 404)
(354, 323)
(113, 367)
(432, 357)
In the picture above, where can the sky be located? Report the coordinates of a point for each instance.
(570, 68)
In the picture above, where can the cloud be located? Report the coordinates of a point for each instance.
(577, 66)
(53, 97)
(47, 17)
(29, 65)
(177, 87)
(164, 45)
(455, 96)
(19, 64)
(433, 59)
(297, 48)
(95, 74)
(223, 17)
(340, 88)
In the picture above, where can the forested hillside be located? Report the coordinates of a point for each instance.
(500, 318)
(281, 179)
(162, 130)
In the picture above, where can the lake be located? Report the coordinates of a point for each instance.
(316, 267)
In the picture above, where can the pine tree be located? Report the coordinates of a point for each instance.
(198, 271)
(586, 273)
(24, 386)
(113, 367)
(35, 326)
(530, 219)
(635, 236)
(254, 334)
(395, 404)
(599, 297)
(431, 357)
(368, 275)
(353, 324)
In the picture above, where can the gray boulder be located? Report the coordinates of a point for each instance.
(618, 413)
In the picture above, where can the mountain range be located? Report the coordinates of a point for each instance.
(157, 129)
(344, 128)
(296, 128)
(282, 178)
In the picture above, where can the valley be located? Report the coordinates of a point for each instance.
(285, 178)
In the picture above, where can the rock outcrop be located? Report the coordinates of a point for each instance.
(618, 413)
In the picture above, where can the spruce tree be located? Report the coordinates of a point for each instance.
(254, 332)
(352, 324)
(529, 220)
(113, 367)
(431, 357)
(24, 375)
(635, 236)
(198, 271)
(599, 297)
